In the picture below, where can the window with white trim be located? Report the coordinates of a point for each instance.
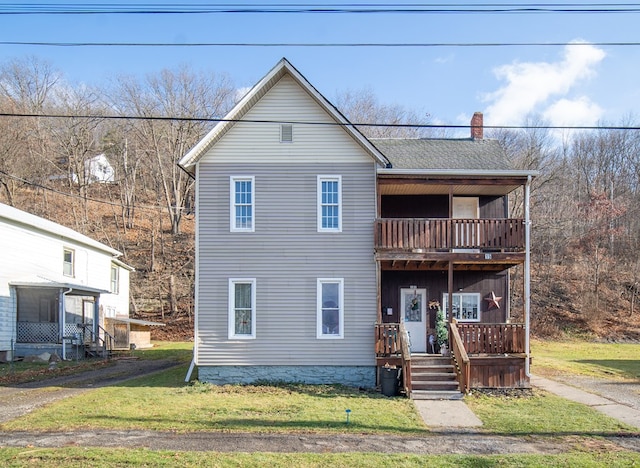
(115, 279)
(466, 306)
(330, 314)
(329, 203)
(242, 204)
(68, 262)
(242, 308)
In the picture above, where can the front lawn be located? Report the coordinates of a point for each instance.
(79, 457)
(617, 361)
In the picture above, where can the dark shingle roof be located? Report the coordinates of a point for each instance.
(453, 154)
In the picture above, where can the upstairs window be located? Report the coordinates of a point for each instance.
(115, 279)
(330, 314)
(242, 308)
(329, 204)
(68, 261)
(242, 204)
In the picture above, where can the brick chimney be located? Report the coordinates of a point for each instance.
(477, 126)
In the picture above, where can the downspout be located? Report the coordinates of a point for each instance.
(196, 291)
(63, 319)
(527, 275)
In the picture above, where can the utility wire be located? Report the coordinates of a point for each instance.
(319, 44)
(329, 124)
(319, 8)
(73, 195)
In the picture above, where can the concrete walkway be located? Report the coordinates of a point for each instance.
(441, 415)
(624, 413)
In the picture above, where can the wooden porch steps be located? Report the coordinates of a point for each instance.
(433, 377)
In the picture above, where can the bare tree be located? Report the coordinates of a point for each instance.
(26, 87)
(362, 107)
(178, 95)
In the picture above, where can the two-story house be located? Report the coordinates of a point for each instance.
(58, 288)
(318, 250)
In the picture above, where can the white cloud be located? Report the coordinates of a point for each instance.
(544, 88)
(567, 112)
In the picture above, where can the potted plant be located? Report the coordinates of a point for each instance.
(442, 332)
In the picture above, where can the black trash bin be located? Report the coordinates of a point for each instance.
(389, 381)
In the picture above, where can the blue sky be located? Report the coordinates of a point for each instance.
(566, 85)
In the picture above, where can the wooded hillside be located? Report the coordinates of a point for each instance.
(585, 204)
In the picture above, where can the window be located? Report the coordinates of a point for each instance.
(286, 133)
(466, 306)
(242, 308)
(330, 314)
(68, 262)
(242, 204)
(329, 204)
(115, 279)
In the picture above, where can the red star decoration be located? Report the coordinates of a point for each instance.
(493, 300)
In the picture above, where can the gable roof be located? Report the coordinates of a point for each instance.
(282, 68)
(452, 154)
(19, 217)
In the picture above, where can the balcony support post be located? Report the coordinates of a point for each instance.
(527, 273)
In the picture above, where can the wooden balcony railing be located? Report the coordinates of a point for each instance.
(492, 338)
(445, 234)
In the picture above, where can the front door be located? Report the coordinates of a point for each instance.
(413, 307)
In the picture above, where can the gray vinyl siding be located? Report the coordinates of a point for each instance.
(286, 255)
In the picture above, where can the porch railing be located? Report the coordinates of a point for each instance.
(461, 358)
(492, 338)
(38, 332)
(392, 339)
(432, 234)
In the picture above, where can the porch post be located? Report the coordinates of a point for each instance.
(378, 293)
(527, 273)
(61, 322)
(96, 318)
(450, 292)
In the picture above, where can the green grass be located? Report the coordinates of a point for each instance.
(614, 361)
(178, 350)
(542, 414)
(164, 402)
(80, 457)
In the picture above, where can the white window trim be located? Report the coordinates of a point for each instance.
(232, 203)
(445, 305)
(73, 262)
(319, 334)
(115, 290)
(232, 307)
(322, 178)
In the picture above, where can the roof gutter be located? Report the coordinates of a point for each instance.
(459, 172)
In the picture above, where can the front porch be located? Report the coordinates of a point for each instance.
(484, 355)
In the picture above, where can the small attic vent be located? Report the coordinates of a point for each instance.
(286, 133)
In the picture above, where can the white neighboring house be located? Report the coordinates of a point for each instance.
(97, 169)
(57, 286)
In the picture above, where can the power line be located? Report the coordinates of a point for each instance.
(338, 124)
(318, 8)
(319, 44)
(72, 195)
